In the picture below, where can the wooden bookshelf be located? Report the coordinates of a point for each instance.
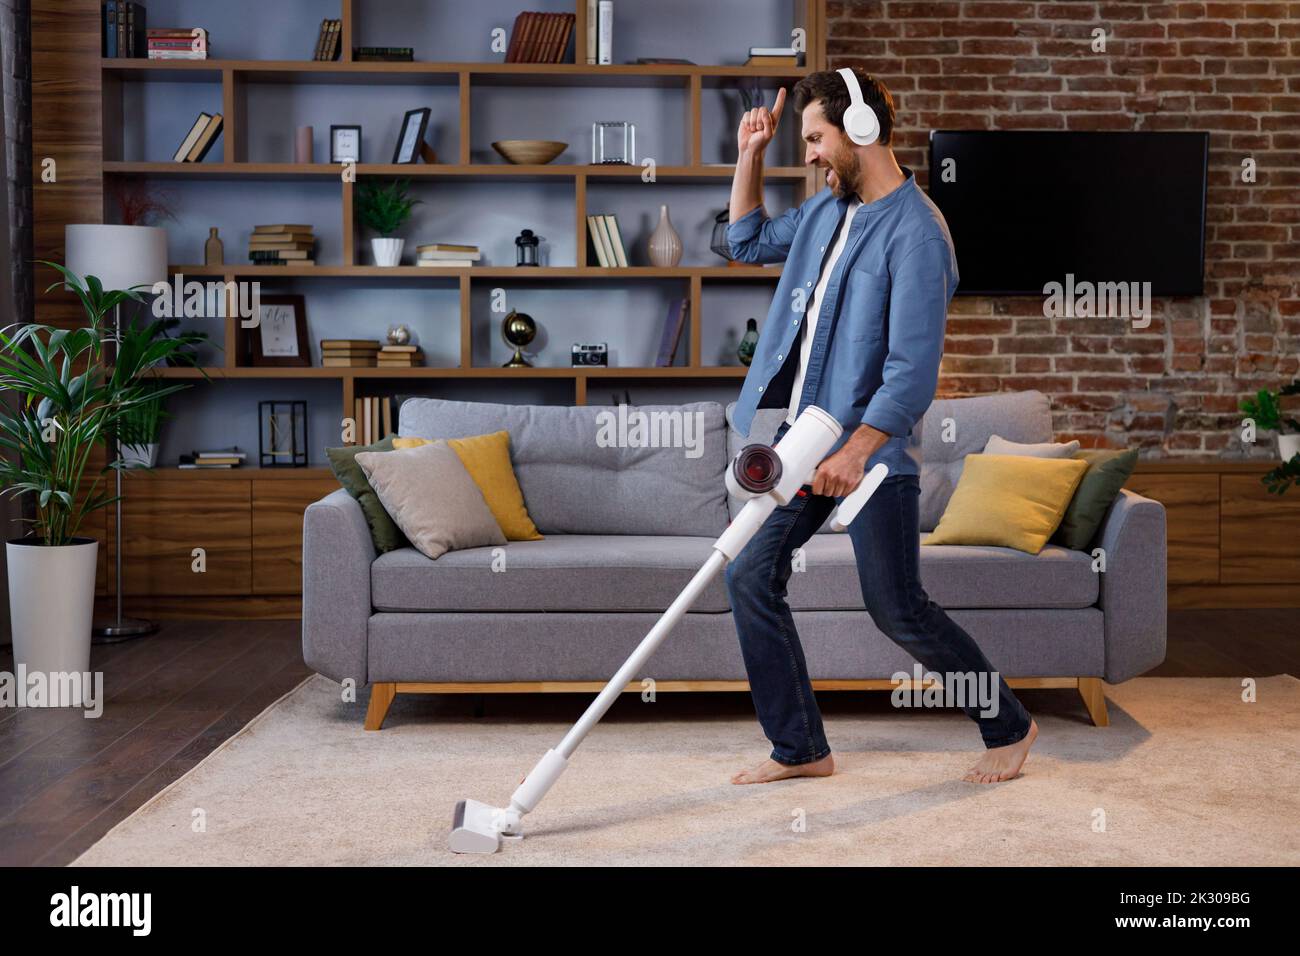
(83, 108)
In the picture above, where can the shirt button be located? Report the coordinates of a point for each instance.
(760, 388)
(823, 249)
(808, 283)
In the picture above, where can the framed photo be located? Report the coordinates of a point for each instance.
(280, 337)
(345, 144)
(411, 138)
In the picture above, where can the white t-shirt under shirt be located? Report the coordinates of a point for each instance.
(814, 307)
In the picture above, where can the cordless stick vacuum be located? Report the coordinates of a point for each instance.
(768, 477)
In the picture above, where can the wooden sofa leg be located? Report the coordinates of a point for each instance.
(1090, 689)
(381, 698)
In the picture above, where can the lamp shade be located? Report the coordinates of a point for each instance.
(121, 257)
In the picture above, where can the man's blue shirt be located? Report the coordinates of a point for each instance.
(886, 303)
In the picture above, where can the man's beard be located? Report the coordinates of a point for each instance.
(848, 174)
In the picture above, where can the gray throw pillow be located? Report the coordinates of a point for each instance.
(997, 445)
(432, 498)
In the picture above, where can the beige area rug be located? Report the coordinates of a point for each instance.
(1186, 774)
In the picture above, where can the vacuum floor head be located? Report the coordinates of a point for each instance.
(474, 828)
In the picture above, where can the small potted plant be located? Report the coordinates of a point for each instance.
(385, 209)
(1265, 408)
(139, 431)
(71, 399)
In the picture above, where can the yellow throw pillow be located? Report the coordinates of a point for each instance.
(1012, 501)
(487, 459)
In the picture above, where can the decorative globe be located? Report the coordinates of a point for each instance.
(399, 335)
(518, 329)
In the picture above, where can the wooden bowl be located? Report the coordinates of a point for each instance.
(528, 152)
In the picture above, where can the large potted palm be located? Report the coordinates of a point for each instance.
(71, 400)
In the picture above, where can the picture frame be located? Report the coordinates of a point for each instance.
(345, 144)
(279, 340)
(410, 138)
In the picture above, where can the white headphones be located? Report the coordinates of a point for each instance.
(860, 120)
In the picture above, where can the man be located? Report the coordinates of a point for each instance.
(869, 259)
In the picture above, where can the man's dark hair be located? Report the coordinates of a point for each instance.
(829, 87)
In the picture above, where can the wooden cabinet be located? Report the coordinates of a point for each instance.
(248, 523)
(277, 531)
(1260, 533)
(165, 519)
(1230, 542)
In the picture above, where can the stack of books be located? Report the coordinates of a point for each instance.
(400, 356)
(327, 42)
(383, 54)
(124, 29)
(773, 56)
(448, 254)
(348, 353)
(218, 458)
(281, 244)
(374, 417)
(606, 241)
(540, 37)
(178, 43)
(199, 139)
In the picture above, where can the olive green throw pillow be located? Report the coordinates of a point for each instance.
(1106, 474)
(383, 530)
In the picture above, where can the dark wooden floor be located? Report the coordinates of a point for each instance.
(172, 698)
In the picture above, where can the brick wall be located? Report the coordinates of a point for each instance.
(1232, 69)
(15, 42)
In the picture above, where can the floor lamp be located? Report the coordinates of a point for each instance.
(121, 257)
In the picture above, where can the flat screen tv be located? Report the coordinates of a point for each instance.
(1029, 208)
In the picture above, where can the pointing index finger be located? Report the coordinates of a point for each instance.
(780, 104)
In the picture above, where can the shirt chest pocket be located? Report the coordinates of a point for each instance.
(868, 300)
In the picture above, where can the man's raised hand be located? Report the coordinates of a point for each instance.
(758, 126)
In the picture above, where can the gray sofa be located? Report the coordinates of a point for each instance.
(625, 529)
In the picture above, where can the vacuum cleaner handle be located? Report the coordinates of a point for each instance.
(855, 499)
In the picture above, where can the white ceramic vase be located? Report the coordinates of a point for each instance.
(52, 607)
(665, 244)
(388, 251)
(1288, 446)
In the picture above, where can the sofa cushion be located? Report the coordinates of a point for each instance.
(591, 470)
(1016, 416)
(637, 573)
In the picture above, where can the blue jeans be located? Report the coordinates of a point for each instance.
(886, 544)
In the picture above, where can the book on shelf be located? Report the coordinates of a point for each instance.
(772, 61)
(540, 37)
(348, 353)
(178, 43)
(674, 322)
(383, 54)
(426, 253)
(124, 30)
(400, 356)
(194, 147)
(374, 416)
(459, 249)
(327, 41)
(218, 458)
(604, 32)
(444, 263)
(282, 243)
(606, 241)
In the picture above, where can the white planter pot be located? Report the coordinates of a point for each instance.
(138, 456)
(388, 252)
(52, 606)
(1288, 446)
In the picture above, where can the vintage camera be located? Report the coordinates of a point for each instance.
(594, 354)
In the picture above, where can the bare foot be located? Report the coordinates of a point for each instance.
(770, 770)
(1002, 763)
